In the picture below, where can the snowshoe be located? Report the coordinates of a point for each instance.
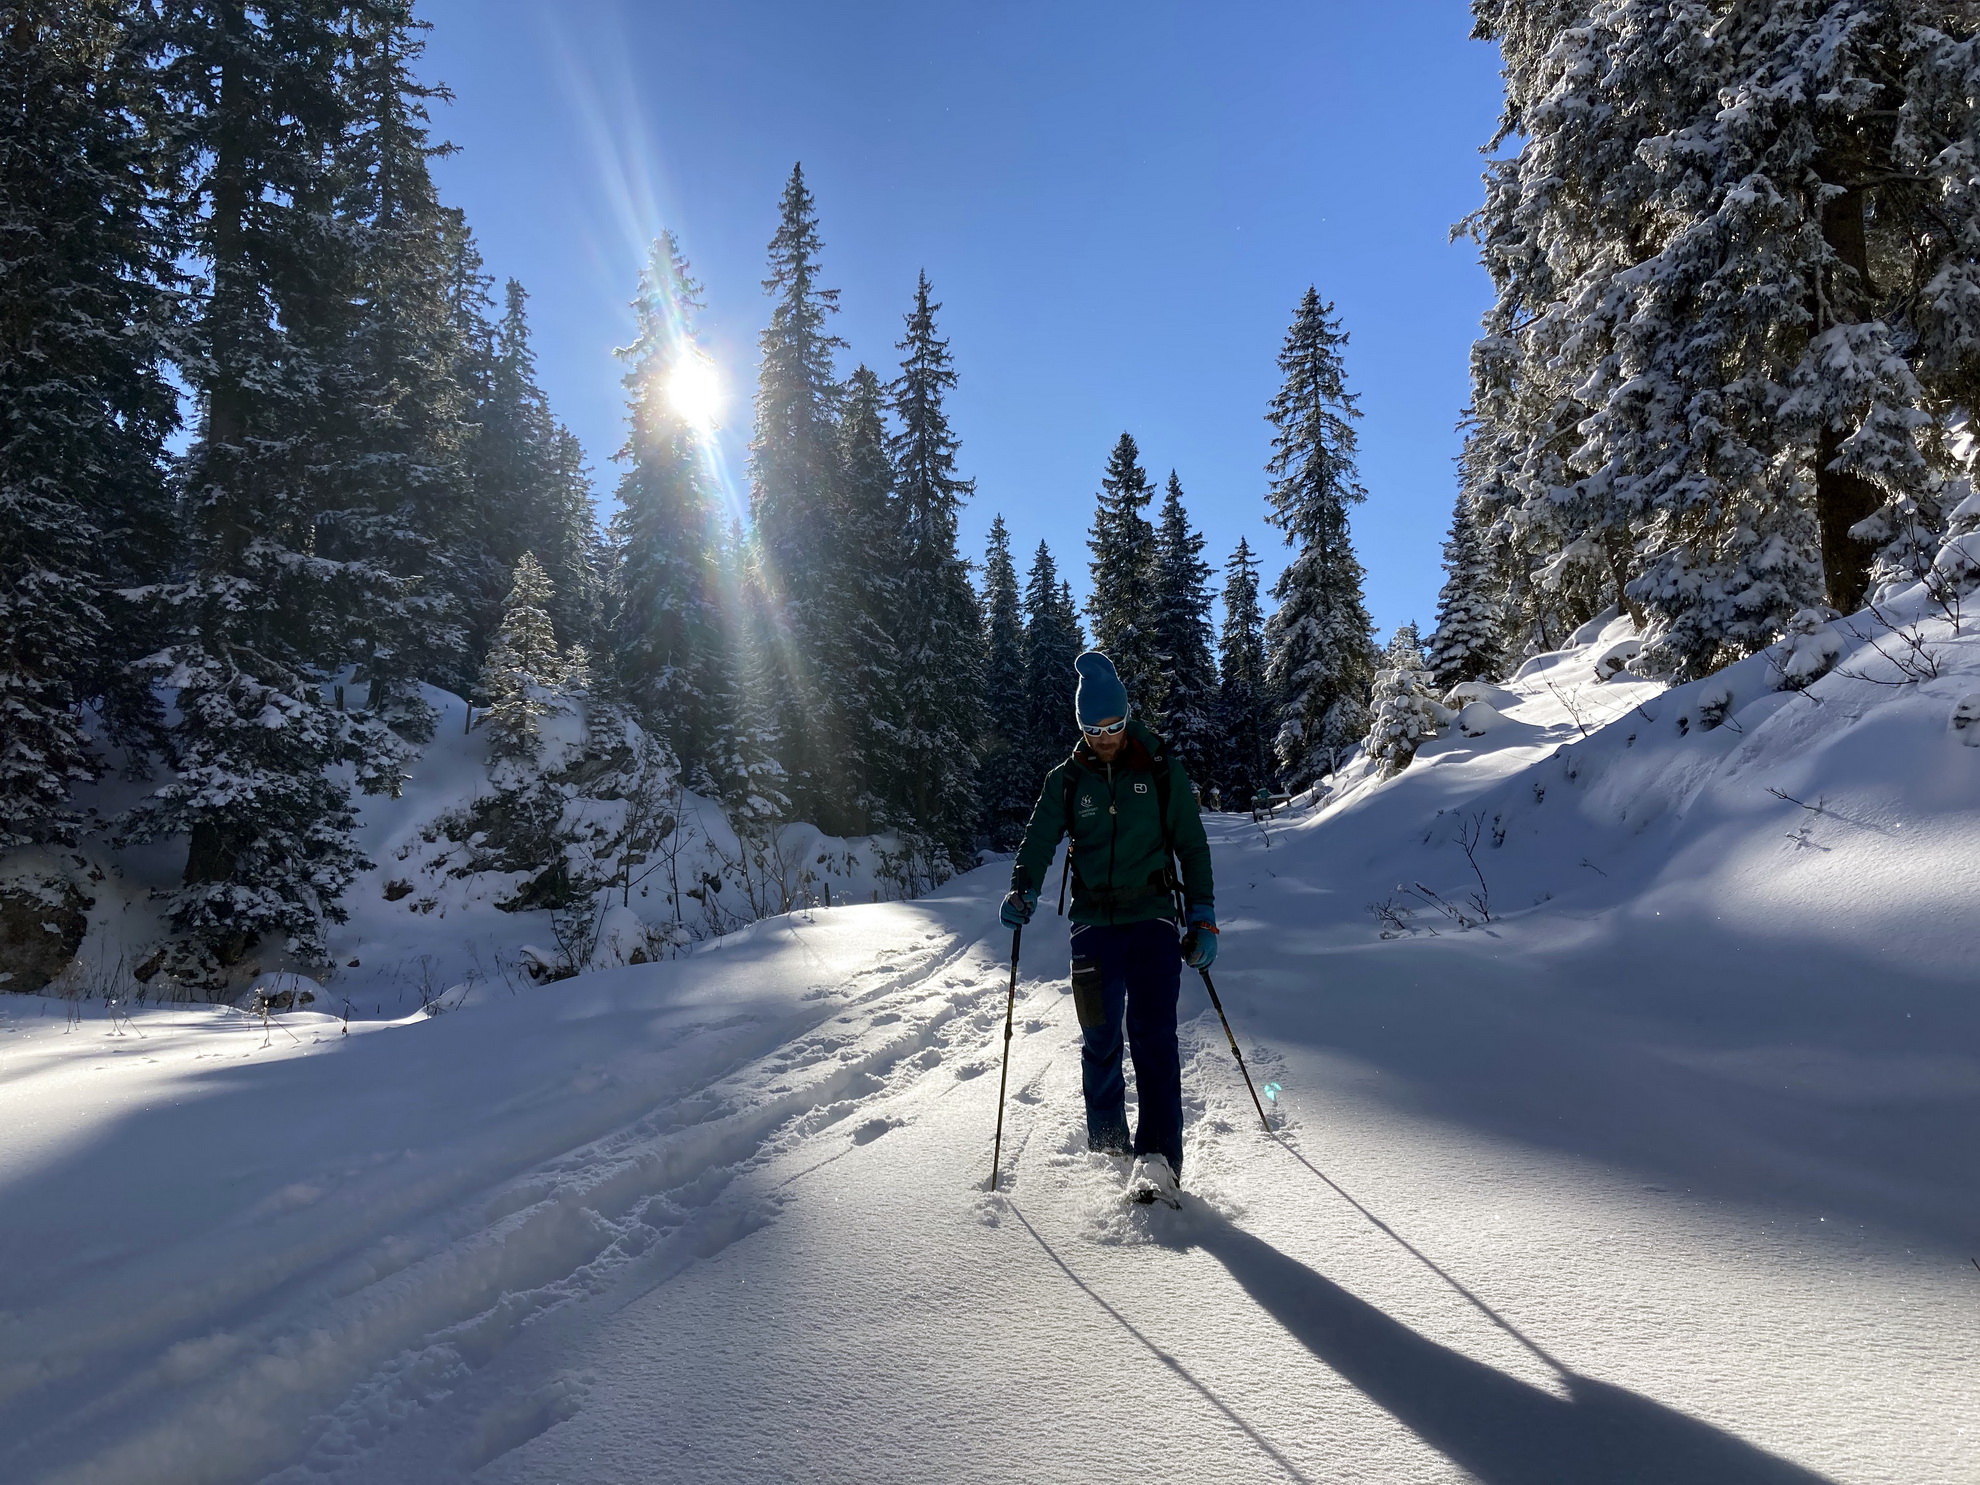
(1153, 1181)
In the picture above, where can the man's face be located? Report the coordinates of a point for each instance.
(1107, 745)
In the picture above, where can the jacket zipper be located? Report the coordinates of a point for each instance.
(1113, 840)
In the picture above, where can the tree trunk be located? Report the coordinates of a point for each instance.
(1842, 498)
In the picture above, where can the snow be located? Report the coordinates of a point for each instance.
(1660, 1171)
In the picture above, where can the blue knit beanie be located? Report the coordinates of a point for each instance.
(1101, 695)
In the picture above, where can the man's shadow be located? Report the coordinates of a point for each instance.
(1502, 1430)
(1496, 1426)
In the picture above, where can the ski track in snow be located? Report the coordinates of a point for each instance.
(1550, 1200)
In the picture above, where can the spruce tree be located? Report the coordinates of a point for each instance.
(1406, 715)
(793, 463)
(85, 405)
(1733, 260)
(859, 597)
(1005, 783)
(526, 673)
(1245, 713)
(939, 626)
(1122, 606)
(1188, 719)
(264, 618)
(1052, 641)
(1319, 642)
(1466, 645)
(531, 490)
(390, 458)
(667, 627)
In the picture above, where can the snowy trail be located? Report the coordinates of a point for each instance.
(723, 1220)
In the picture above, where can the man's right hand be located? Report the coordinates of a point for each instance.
(1017, 910)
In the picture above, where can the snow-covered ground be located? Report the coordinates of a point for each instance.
(1666, 1168)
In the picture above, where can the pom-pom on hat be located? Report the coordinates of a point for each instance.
(1101, 696)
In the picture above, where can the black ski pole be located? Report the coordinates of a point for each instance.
(1232, 1039)
(1003, 1078)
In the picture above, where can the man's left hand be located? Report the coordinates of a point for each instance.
(1199, 944)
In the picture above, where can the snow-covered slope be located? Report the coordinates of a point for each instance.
(1663, 1169)
(439, 912)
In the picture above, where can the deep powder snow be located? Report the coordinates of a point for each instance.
(1661, 1169)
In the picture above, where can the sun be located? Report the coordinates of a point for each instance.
(695, 390)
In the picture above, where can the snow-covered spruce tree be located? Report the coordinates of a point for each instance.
(1052, 641)
(84, 402)
(1122, 605)
(939, 628)
(254, 633)
(1188, 720)
(1557, 225)
(665, 600)
(860, 589)
(1736, 295)
(1466, 645)
(527, 676)
(793, 462)
(1319, 642)
(1004, 780)
(530, 489)
(390, 458)
(1405, 712)
(1245, 714)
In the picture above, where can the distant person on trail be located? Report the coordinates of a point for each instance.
(1127, 804)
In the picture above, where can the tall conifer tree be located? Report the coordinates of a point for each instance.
(940, 627)
(1122, 606)
(1182, 638)
(1244, 705)
(531, 491)
(793, 462)
(1734, 260)
(264, 617)
(1005, 784)
(390, 460)
(862, 589)
(1052, 641)
(667, 627)
(1320, 641)
(84, 401)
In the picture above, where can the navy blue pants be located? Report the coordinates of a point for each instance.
(1131, 972)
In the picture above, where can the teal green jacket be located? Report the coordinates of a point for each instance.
(1120, 867)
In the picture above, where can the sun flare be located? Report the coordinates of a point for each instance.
(695, 390)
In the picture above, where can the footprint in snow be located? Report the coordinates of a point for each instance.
(871, 1130)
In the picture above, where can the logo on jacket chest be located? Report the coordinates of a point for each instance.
(1141, 786)
(1088, 803)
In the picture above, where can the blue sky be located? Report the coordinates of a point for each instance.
(1118, 206)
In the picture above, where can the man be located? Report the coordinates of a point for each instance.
(1130, 812)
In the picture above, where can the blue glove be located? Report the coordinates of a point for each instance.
(1199, 945)
(1018, 908)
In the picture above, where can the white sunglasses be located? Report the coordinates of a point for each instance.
(1106, 730)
